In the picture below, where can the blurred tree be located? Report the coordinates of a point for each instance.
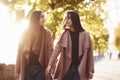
(117, 37)
(15, 7)
(5, 2)
(55, 10)
(93, 17)
(91, 13)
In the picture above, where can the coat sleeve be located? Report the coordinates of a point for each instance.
(18, 60)
(55, 54)
(19, 54)
(50, 45)
(58, 48)
(90, 58)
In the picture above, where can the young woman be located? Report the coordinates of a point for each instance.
(34, 51)
(75, 49)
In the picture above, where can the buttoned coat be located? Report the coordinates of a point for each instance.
(63, 48)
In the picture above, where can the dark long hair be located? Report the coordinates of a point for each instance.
(34, 20)
(75, 20)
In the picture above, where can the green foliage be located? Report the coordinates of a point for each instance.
(117, 38)
(53, 22)
(91, 13)
(92, 17)
(55, 10)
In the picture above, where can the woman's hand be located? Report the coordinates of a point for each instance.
(17, 76)
(48, 70)
(90, 75)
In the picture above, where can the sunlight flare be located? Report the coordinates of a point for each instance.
(9, 36)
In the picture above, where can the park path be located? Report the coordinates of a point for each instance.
(107, 69)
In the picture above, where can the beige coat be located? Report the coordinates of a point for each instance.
(64, 47)
(24, 50)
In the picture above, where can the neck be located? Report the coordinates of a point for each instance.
(41, 27)
(72, 29)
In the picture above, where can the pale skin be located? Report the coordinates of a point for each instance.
(68, 23)
(16, 76)
(41, 22)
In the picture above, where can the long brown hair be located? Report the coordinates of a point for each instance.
(34, 20)
(75, 20)
(35, 34)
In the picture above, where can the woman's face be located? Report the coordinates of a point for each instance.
(42, 19)
(68, 21)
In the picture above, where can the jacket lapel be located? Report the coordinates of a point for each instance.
(80, 43)
(69, 45)
(65, 41)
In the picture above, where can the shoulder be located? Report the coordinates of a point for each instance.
(23, 37)
(85, 36)
(85, 33)
(64, 33)
(24, 34)
(48, 33)
(47, 30)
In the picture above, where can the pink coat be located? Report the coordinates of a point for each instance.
(24, 50)
(63, 48)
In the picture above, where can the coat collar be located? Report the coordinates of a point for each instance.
(65, 41)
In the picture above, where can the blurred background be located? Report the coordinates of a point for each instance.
(101, 18)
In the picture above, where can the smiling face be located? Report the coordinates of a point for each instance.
(42, 19)
(72, 21)
(68, 21)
